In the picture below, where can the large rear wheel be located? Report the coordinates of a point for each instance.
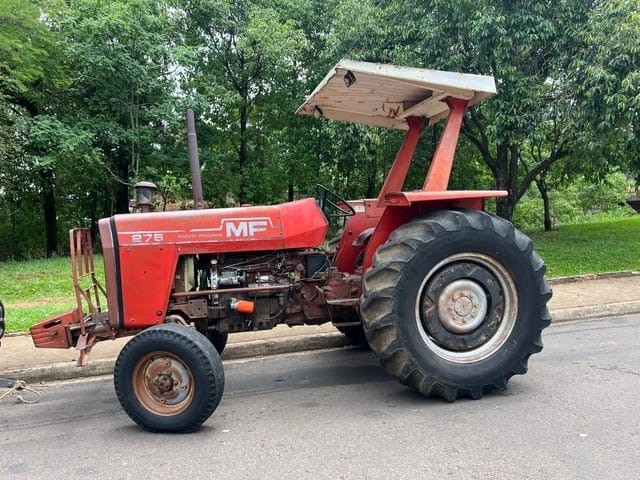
(218, 339)
(169, 378)
(355, 334)
(455, 302)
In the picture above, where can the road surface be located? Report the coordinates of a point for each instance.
(337, 415)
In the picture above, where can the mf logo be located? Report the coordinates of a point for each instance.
(246, 228)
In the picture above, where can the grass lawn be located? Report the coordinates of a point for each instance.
(598, 247)
(35, 289)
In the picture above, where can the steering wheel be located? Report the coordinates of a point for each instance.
(329, 198)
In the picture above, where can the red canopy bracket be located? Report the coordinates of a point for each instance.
(442, 162)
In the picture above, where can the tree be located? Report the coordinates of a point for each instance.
(25, 43)
(87, 90)
(121, 57)
(601, 82)
(525, 46)
(606, 79)
(248, 66)
(30, 73)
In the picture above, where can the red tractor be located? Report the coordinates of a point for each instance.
(451, 300)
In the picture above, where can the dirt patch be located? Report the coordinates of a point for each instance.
(27, 276)
(36, 303)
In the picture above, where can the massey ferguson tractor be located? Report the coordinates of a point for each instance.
(450, 299)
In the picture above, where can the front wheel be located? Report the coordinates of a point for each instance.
(455, 302)
(169, 378)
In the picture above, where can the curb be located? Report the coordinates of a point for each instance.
(594, 276)
(278, 346)
(595, 311)
(61, 371)
(234, 351)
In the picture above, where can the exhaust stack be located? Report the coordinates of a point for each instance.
(194, 161)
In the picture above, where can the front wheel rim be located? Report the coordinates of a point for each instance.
(163, 383)
(466, 307)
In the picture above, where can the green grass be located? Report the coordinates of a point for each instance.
(595, 247)
(35, 289)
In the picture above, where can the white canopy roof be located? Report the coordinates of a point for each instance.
(385, 95)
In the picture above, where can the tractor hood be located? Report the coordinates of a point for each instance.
(298, 224)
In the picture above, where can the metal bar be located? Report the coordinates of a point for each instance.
(97, 287)
(86, 246)
(204, 293)
(398, 172)
(87, 297)
(93, 277)
(74, 249)
(442, 162)
(80, 253)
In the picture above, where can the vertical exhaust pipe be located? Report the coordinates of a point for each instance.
(194, 161)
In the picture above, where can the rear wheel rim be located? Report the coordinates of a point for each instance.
(163, 383)
(466, 307)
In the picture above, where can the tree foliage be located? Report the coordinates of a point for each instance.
(93, 95)
(607, 80)
(526, 46)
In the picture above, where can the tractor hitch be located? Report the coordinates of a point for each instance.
(83, 326)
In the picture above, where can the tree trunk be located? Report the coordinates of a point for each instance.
(544, 193)
(50, 214)
(505, 207)
(371, 177)
(243, 153)
(94, 215)
(122, 192)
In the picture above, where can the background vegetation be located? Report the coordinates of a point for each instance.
(93, 95)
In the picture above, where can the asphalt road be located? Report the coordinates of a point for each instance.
(336, 414)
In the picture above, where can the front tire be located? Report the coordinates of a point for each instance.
(455, 302)
(169, 378)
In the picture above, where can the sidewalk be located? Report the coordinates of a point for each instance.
(573, 299)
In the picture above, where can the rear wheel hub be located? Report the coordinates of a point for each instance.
(467, 307)
(462, 306)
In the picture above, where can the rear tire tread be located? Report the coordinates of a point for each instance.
(379, 285)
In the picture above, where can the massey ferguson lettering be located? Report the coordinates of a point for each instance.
(228, 229)
(246, 228)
